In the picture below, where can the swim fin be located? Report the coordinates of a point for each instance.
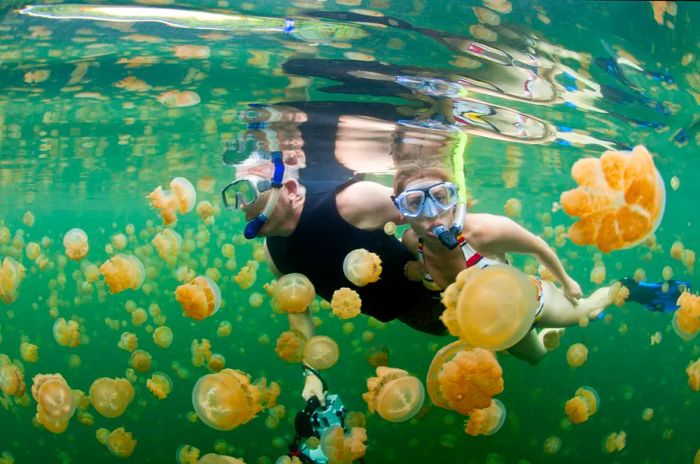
(651, 294)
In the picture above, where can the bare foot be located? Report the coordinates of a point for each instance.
(551, 338)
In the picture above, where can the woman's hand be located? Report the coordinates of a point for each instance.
(572, 290)
(313, 387)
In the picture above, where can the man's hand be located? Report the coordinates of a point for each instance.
(313, 387)
(572, 290)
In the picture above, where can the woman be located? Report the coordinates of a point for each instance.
(427, 198)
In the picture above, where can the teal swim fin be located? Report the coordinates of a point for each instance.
(651, 294)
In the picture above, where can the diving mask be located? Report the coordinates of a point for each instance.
(428, 202)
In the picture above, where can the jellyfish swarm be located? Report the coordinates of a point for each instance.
(486, 421)
(110, 397)
(693, 371)
(620, 199)
(76, 243)
(168, 243)
(463, 378)
(122, 272)
(56, 402)
(341, 448)
(576, 355)
(686, 319)
(119, 442)
(294, 292)
(582, 406)
(181, 197)
(362, 267)
(321, 352)
(11, 274)
(200, 298)
(394, 395)
(290, 346)
(227, 399)
(11, 377)
(490, 308)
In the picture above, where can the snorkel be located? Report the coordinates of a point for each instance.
(252, 229)
(452, 237)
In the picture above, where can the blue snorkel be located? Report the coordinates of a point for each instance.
(252, 229)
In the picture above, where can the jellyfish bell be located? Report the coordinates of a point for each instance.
(321, 352)
(576, 355)
(122, 272)
(168, 243)
(110, 397)
(486, 421)
(76, 243)
(212, 458)
(294, 292)
(160, 385)
(225, 400)
(11, 275)
(400, 399)
(200, 298)
(362, 267)
(185, 193)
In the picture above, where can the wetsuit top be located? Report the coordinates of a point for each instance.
(322, 239)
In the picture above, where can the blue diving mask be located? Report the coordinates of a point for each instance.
(427, 202)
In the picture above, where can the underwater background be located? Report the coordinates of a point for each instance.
(95, 113)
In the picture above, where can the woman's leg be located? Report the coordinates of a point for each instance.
(530, 348)
(558, 311)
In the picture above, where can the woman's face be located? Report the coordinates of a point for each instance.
(422, 224)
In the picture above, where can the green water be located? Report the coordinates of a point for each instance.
(78, 151)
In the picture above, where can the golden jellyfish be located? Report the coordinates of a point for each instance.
(66, 333)
(32, 250)
(486, 421)
(128, 342)
(321, 352)
(290, 346)
(362, 267)
(141, 361)
(119, 442)
(378, 356)
(551, 445)
(686, 319)
(343, 448)
(206, 211)
(163, 336)
(110, 397)
(613, 442)
(168, 243)
(576, 355)
(582, 406)
(177, 99)
(226, 399)
(216, 362)
(200, 298)
(513, 208)
(346, 303)
(693, 371)
(29, 352)
(647, 414)
(11, 275)
(160, 385)
(224, 329)
(122, 272)
(11, 377)
(463, 378)
(76, 243)
(490, 308)
(181, 198)
(187, 454)
(394, 395)
(247, 275)
(201, 352)
(211, 458)
(56, 402)
(620, 199)
(294, 292)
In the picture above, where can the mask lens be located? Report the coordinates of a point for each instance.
(411, 202)
(240, 194)
(444, 195)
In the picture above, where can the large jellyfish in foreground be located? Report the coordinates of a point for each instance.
(122, 272)
(181, 198)
(490, 308)
(56, 402)
(582, 406)
(200, 298)
(394, 395)
(620, 199)
(294, 292)
(486, 421)
(362, 267)
(110, 397)
(463, 378)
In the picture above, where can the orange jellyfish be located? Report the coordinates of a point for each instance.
(686, 319)
(11, 274)
(620, 199)
(378, 356)
(576, 355)
(247, 275)
(211, 458)
(181, 197)
(486, 421)
(226, 399)
(463, 378)
(199, 299)
(177, 99)
(11, 377)
(119, 442)
(290, 346)
(110, 397)
(321, 352)
(160, 385)
(394, 395)
(362, 267)
(122, 272)
(342, 448)
(346, 303)
(66, 333)
(56, 402)
(141, 360)
(693, 371)
(163, 336)
(168, 243)
(201, 352)
(582, 406)
(490, 308)
(613, 442)
(294, 292)
(29, 352)
(76, 243)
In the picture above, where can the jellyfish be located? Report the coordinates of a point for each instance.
(346, 303)
(693, 371)
(224, 329)
(177, 99)
(343, 448)
(141, 361)
(163, 336)
(490, 308)
(378, 356)
(56, 402)
(321, 352)
(211, 458)
(66, 333)
(119, 442)
(11, 275)
(160, 385)
(613, 442)
(29, 352)
(486, 421)
(122, 272)
(200, 298)
(620, 199)
(76, 243)
(247, 275)
(128, 342)
(187, 454)
(168, 243)
(393, 394)
(551, 445)
(110, 397)
(216, 362)
(576, 355)
(226, 399)
(513, 208)
(181, 198)
(206, 211)
(463, 378)
(686, 319)
(582, 406)
(11, 377)
(294, 292)
(201, 352)
(362, 267)
(290, 346)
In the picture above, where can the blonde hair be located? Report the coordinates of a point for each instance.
(412, 171)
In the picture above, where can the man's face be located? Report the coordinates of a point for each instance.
(253, 210)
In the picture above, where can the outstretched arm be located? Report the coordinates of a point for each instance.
(367, 205)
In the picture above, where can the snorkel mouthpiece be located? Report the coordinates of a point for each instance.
(445, 236)
(253, 227)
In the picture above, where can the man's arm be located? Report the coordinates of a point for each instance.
(367, 205)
